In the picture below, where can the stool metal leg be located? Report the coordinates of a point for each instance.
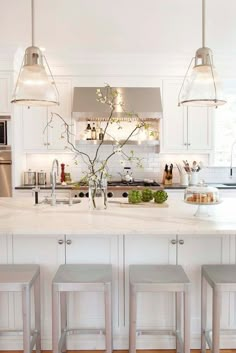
(26, 308)
(203, 313)
(216, 321)
(132, 319)
(178, 317)
(37, 314)
(108, 317)
(55, 318)
(187, 321)
(63, 318)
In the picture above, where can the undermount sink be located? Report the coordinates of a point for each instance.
(63, 200)
(229, 184)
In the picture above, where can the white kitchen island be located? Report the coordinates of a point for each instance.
(120, 235)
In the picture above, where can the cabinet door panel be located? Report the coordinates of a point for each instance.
(86, 310)
(199, 128)
(196, 251)
(43, 250)
(34, 125)
(5, 105)
(56, 139)
(174, 134)
(4, 297)
(154, 310)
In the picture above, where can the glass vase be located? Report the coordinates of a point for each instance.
(98, 194)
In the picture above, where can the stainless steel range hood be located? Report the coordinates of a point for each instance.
(146, 102)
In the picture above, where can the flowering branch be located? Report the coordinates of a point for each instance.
(110, 98)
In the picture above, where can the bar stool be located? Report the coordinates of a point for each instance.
(21, 278)
(221, 278)
(80, 278)
(161, 278)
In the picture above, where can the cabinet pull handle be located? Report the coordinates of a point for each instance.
(68, 242)
(181, 241)
(60, 241)
(185, 144)
(189, 144)
(173, 241)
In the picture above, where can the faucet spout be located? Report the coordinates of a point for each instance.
(54, 174)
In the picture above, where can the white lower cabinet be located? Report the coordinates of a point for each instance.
(4, 297)
(190, 251)
(194, 251)
(154, 310)
(86, 309)
(46, 251)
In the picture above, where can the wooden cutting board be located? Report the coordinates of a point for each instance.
(142, 204)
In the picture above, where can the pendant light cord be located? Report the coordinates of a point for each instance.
(32, 21)
(203, 23)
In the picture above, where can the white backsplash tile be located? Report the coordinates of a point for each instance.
(153, 164)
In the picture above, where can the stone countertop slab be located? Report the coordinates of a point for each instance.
(20, 216)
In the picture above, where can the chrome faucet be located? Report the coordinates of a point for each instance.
(231, 159)
(54, 180)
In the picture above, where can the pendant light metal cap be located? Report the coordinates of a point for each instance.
(33, 56)
(204, 56)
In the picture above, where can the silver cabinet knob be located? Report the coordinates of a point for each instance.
(173, 241)
(68, 242)
(181, 241)
(185, 144)
(60, 241)
(189, 144)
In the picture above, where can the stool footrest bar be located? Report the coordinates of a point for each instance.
(156, 332)
(88, 331)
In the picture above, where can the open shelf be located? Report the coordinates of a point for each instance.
(110, 142)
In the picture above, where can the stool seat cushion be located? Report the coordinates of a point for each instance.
(18, 274)
(81, 273)
(220, 274)
(165, 274)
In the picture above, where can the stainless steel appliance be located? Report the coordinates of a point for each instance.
(3, 130)
(5, 173)
(42, 178)
(29, 178)
(146, 101)
(121, 188)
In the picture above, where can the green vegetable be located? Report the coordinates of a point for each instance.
(160, 196)
(147, 195)
(134, 196)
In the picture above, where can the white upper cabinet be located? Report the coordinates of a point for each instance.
(40, 133)
(35, 136)
(5, 94)
(57, 140)
(184, 129)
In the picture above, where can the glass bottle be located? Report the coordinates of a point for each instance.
(94, 133)
(88, 131)
(101, 134)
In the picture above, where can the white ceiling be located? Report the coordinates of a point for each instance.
(119, 27)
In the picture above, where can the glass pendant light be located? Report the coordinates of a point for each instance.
(34, 87)
(202, 87)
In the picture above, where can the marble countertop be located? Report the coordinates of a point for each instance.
(19, 215)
